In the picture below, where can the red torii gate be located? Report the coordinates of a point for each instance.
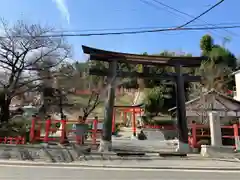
(134, 110)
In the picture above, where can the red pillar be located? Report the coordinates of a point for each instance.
(32, 130)
(63, 131)
(47, 129)
(194, 135)
(236, 135)
(134, 121)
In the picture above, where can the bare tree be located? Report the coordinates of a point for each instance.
(93, 102)
(27, 54)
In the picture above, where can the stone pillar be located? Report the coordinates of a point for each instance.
(183, 145)
(106, 141)
(215, 128)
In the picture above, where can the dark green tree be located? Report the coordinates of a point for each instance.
(221, 55)
(154, 100)
(206, 44)
(221, 62)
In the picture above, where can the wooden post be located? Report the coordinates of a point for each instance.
(105, 144)
(94, 131)
(181, 112)
(113, 120)
(125, 118)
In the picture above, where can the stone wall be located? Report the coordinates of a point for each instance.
(58, 153)
(47, 153)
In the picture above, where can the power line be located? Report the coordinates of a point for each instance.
(205, 12)
(178, 28)
(143, 28)
(133, 32)
(176, 10)
(157, 7)
(189, 15)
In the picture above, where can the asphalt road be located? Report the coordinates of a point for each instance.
(58, 173)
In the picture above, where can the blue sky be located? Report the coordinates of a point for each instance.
(104, 14)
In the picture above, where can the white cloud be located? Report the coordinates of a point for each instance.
(62, 6)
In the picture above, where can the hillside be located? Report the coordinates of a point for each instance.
(80, 101)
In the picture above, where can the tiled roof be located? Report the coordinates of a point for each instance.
(212, 100)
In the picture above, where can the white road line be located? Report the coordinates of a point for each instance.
(120, 169)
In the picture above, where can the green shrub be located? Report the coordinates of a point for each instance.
(17, 126)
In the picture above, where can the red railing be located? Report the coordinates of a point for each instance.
(49, 127)
(12, 140)
(195, 137)
(42, 131)
(161, 127)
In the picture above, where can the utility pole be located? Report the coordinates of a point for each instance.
(106, 141)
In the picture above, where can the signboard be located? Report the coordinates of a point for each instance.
(81, 129)
(99, 126)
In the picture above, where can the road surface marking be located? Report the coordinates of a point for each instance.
(118, 169)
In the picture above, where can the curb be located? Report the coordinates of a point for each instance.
(41, 164)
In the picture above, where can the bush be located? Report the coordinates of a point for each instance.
(117, 128)
(155, 99)
(17, 126)
(151, 121)
(165, 122)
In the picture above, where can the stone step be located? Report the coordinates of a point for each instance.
(145, 145)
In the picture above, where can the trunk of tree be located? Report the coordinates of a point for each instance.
(85, 116)
(106, 141)
(22, 99)
(5, 111)
(141, 84)
(100, 83)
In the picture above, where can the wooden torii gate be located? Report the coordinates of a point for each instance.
(113, 58)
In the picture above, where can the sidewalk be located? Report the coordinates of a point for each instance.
(137, 164)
